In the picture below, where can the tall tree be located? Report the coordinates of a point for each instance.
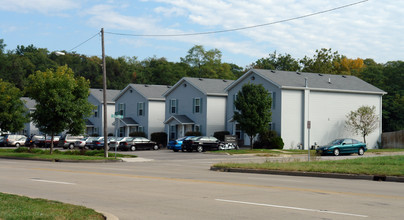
(277, 62)
(363, 121)
(253, 109)
(12, 112)
(322, 62)
(61, 101)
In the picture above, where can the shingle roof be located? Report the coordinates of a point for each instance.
(150, 92)
(205, 85)
(129, 121)
(98, 94)
(331, 82)
(182, 119)
(28, 102)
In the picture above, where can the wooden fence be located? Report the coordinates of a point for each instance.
(393, 139)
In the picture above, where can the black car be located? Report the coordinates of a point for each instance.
(201, 143)
(136, 143)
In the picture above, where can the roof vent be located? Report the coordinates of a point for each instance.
(344, 76)
(329, 80)
(320, 74)
(224, 80)
(168, 86)
(200, 79)
(297, 72)
(146, 85)
(272, 71)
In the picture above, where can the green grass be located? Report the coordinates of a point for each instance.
(23, 152)
(21, 207)
(385, 165)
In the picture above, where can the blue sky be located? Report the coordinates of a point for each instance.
(372, 29)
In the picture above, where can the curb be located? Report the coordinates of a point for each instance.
(61, 160)
(313, 174)
(108, 216)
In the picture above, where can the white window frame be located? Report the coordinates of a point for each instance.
(173, 106)
(197, 106)
(140, 109)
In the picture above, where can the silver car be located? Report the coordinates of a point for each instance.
(14, 140)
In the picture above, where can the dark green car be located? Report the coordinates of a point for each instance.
(343, 146)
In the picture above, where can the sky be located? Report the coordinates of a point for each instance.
(370, 29)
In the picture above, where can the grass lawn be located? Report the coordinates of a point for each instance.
(385, 165)
(21, 207)
(23, 152)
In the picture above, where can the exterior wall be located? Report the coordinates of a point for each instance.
(276, 104)
(292, 118)
(155, 114)
(130, 99)
(328, 115)
(110, 120)
(216, 109)
(97, 121)
(184, 96)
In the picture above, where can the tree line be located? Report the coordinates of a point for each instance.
(16, 65)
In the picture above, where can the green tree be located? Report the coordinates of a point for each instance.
(277, 62)
(324, 61)
(61, 101)
(363, 121)
(12, 112)
(253, 109)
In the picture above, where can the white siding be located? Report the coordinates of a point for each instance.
(215, 114)
(156, 116)
(292, 118)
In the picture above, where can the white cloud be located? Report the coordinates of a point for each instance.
(42, 6)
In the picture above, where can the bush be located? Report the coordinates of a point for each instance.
(269, 140)
(220, 134)
(193, 133)
(137, 134)
(160, 138)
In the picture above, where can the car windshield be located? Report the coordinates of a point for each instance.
(336, 142)
(130, 139)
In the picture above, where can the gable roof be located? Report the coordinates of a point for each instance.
(315, 81)
(110, 95)
(182, 119)
(149, 92)
(29, 103)
(215, 87)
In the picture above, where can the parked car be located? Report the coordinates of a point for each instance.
(15, 140)
(343, 146)
(48, 141)
(176, 145)
(202, 143)
(30, 142)
(115, 143)
(67, 141)
(99, 143)
(39, 142)
(85, 143)
(2, 140)
(136, 143)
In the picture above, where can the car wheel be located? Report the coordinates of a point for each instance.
(199, 149)
(182, 149)
(336, 152)
(155, 147)
(17, 145)
(71, 146)
(361, 151)
(132, 148)
(175, 150)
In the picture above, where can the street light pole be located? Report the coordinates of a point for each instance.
(104, 94)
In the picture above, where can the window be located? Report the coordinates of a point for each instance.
(173, 132)
(273, 94)
(96, 111)
(140, 129)
(197, 105)
(197, 128)
(173, 106)
(234, 99)
(121, 109)
(140, 108)
(121, 131)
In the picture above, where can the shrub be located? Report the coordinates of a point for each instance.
(160, 138)
(193, 133)
(220, 134)
(269, 140)
(137, 134)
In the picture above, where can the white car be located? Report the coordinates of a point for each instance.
(115, 143)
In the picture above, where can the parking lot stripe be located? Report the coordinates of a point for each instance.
(291, 207)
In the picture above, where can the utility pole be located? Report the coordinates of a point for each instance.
(104, 94)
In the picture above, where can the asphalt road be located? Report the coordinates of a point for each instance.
(167, 185)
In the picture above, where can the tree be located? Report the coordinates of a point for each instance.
(362, 121)
(322, 62)
(277, 62)
(61, 101)
(253, 109)
(12, 112)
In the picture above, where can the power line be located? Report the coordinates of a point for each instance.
(98, 33)
(241, 28)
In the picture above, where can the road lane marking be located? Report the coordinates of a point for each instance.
(224, 183)
(291, 207)
(50, 181)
